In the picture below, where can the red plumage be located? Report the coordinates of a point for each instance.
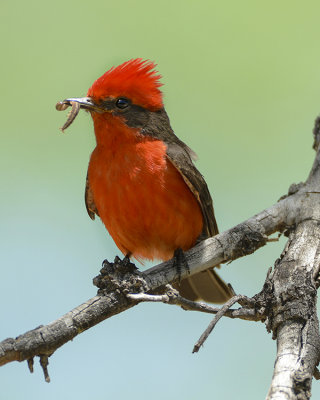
(135, 79)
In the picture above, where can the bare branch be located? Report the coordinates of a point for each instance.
(287, 302)
(243, 239)
(172, 297)
(44, 362)
(294, 319)
(215, 320)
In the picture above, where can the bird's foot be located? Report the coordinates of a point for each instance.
(179, 262)
(120, 266)
(120, 274)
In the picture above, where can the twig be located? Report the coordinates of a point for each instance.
(172, 297)
(316, 374)
(44, 362)
(30, 364)
(213, 323)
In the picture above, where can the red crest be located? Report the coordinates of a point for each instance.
(135, 79)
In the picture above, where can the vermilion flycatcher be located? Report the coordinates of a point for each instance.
(141, 179)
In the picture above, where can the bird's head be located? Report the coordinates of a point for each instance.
(130, 87)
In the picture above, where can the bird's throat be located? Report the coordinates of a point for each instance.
(112, 132)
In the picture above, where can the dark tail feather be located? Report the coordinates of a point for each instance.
(206, 286)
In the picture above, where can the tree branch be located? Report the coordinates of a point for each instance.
(172, 297)
(236, 242)
(294, 319)
(287, 301)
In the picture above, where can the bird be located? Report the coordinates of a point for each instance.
(141, 180)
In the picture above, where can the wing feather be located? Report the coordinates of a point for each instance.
(181, 156)
(181, 160)
(90, 205)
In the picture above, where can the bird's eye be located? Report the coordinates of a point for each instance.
(122, 103)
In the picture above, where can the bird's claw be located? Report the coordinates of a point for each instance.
(179, 262)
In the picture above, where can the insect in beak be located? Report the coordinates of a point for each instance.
(75, 104)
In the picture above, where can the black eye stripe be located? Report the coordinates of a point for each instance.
(122, 103)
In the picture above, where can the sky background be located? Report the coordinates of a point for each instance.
(242, 88)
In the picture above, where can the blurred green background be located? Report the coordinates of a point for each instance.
(242, 86)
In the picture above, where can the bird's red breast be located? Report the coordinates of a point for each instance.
(141, 197)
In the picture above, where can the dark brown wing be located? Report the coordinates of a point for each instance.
(88, 197)
(180, 155)
(181, 159)
(206, 285)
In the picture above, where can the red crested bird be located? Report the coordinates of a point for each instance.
(141, 180)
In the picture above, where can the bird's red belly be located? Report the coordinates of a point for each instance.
(143, 200)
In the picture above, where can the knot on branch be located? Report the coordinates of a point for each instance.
(295, 187)
(264, 300)
(293, 303)
(121, 276)
(298, 299)
(244, 239)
